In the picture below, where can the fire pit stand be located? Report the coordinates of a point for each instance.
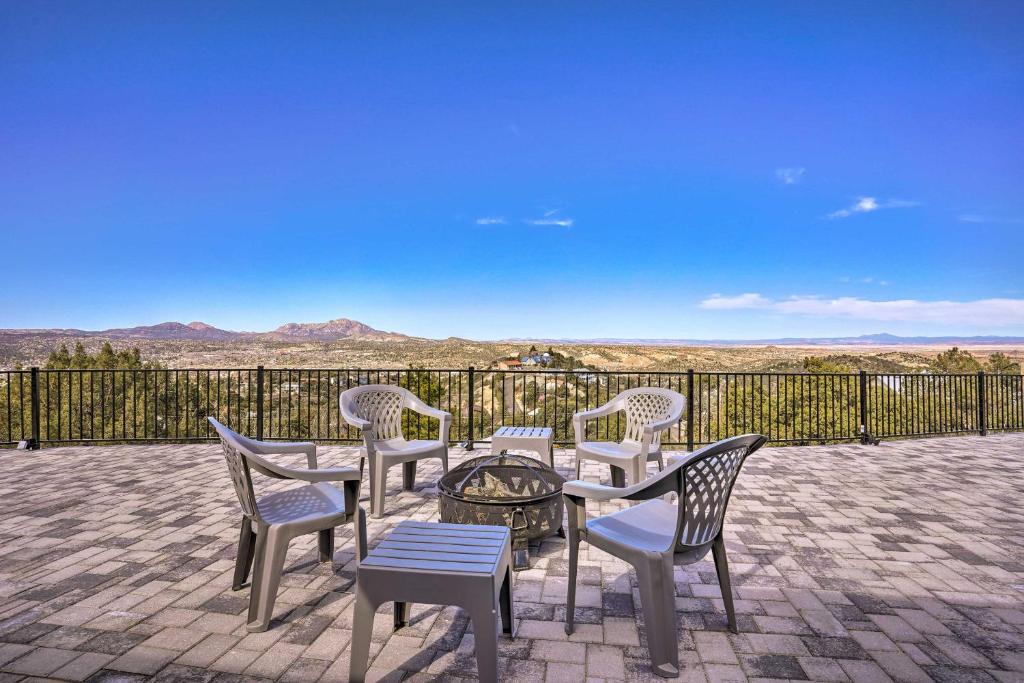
(521, 493)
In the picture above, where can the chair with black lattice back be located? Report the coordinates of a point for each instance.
(655, 535)
(649, 412)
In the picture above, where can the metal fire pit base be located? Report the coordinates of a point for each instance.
(530, 504)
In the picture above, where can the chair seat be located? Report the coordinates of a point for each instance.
(649, 526)
(610, 450)
(302, 503)
(403, 448)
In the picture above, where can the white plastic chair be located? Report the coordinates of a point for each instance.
(271, 522)
(376, 410)
(655, 535)
(649, 412)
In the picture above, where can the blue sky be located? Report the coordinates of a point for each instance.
(687, 170)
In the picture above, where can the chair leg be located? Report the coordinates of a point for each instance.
(378, 486)
(373, 482)
(570, 596)
(246, 551)
(722, 567)
(362, 629)
(325, 541)
(408, 475)
(618, 476)
(639, 472)
(657, 597)
(267, 580)
(661, 461)
(579, 465)
(444, 460)
(359, 531)
(485, 635)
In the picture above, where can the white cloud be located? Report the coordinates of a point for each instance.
(869, 204)
(790, 176)
(491, 220)
(550, 218)
(561, 222)
(979, 218)
(725, 303)
(988, 312)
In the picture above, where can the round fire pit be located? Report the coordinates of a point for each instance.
(521, 493)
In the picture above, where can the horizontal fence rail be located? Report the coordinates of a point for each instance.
(49, 407)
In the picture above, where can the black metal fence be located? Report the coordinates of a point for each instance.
(41, 407)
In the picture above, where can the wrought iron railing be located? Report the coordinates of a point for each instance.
(48, 407)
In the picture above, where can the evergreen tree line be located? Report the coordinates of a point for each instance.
(120, 396)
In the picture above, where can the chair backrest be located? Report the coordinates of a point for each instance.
(706, 483)
(646, 405)
(379, 404)
(238, 468)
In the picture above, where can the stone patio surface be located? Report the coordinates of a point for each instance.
(903, 561)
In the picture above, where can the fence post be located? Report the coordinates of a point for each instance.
(472, 395)
(982, 421)
(259, 402)
(33, 442)
(689, 409)
(865, 437)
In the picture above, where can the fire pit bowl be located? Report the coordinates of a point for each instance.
(521, 493)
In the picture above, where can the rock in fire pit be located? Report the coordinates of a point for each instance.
(521, 493)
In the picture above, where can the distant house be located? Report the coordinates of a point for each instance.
(509, 364)
(543, 359)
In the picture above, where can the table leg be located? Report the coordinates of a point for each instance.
(362, 628)
(507, 605)
(402, 612)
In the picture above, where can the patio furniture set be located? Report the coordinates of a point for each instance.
(470, 564)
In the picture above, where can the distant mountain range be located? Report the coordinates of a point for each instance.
(344, 328)
(332, 330)
(882, 339)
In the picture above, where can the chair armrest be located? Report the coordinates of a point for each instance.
(272, 469)
(359, 423)
(657, 427)
(281, 448)
(579, 419)
(592, 491)
(329, 474)
(445, 418)
(593, 413)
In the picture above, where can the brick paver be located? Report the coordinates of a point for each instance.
(899, 562)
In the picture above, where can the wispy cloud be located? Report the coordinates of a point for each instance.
(790, 176)
(551, 217)
(561, 222)
(864, 280)
(869, 204)
(981, 218)
(491, 220)
(988, 312)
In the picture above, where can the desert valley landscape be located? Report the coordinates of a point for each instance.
(344, 343)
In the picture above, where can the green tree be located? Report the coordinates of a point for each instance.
(955, 362)
(59, 359)
(826, 365)
(1001, 364)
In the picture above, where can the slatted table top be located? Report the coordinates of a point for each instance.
(441, 548)
(524, 432)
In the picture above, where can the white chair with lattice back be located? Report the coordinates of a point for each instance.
(649, 412)
(656, 535)
(376, 410)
